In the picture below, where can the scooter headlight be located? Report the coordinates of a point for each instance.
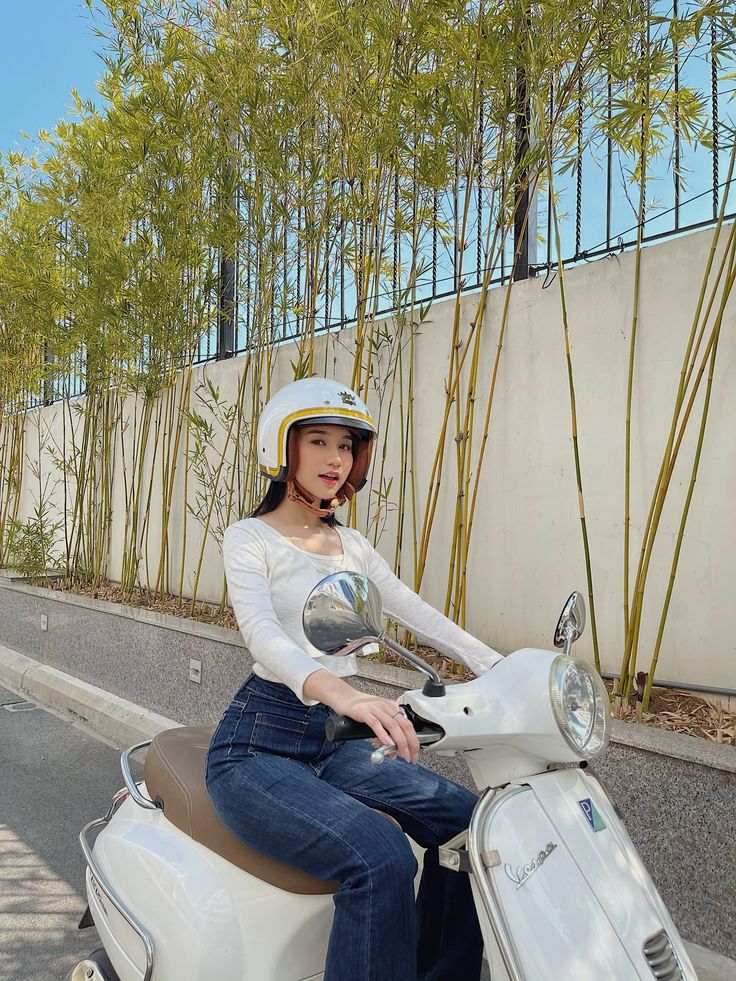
(581, 706)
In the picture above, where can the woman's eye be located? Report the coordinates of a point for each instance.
(320, 442)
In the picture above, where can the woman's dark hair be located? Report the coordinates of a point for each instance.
(274, 496)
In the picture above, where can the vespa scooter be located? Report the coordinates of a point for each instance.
(560, 891)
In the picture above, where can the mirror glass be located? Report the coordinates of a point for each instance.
(572, 620)
(342, 613)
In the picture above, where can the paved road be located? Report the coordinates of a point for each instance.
(54, 777)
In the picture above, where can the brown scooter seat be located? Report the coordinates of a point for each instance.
(174, 776)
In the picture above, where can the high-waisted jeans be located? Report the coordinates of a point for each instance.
(283, 788)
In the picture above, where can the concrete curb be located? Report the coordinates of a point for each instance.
(113, 718)
(123, 723)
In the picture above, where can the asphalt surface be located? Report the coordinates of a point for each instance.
(54, 778)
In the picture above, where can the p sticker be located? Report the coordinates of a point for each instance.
(589, 810)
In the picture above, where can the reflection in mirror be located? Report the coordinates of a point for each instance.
(342, 613)
(571, 623)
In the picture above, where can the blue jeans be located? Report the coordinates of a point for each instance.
(283, 788)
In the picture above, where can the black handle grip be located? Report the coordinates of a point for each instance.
(340, 727)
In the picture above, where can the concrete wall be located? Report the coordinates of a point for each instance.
(526, 551)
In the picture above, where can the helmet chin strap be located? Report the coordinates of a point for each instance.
(295, 492)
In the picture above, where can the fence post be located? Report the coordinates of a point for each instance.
(226, 304)
(525, 202)
(226, 309)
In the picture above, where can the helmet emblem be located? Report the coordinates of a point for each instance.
(347, 397)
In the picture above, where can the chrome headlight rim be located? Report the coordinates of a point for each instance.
(564, 670)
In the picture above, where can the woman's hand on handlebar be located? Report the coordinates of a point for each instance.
(386, 719)
(383, 715)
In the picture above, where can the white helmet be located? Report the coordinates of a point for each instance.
(310, 400)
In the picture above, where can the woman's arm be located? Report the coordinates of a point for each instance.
(244, 556)
(429, 625)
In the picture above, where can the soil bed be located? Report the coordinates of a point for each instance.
(677, 711)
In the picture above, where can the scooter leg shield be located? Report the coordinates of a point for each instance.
(562, 892)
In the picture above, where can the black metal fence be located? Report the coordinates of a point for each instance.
(597, 207)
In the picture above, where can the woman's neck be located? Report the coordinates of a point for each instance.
(289, 514)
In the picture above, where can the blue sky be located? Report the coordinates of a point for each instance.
(46, 49)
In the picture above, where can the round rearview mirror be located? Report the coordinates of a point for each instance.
(572, 621)
(342, 613)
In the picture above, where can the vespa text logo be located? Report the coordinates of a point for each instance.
(98, 894)
(522, 872)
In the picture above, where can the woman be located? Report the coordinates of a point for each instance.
(275, 781)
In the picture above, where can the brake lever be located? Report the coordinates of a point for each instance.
(380, 754)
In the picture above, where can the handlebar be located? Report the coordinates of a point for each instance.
(339, 728)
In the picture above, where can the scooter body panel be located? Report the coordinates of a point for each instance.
(563, 886)
(122, 945)
(207, 918)
(511, 736)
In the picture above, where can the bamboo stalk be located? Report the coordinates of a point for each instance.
(161, 412)
(169, 478)
(728, 287)
(213, 492)
(662, 482)
(573, 419)
(185, 497)
(489, 403)
(659, 501)
(630, 386)
(235, 468)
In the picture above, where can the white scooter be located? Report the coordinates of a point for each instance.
(560, 890)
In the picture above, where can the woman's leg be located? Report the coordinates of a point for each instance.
(431, 810)
(281, 808)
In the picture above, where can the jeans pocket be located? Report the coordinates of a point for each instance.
(226, 732)
(277, 734)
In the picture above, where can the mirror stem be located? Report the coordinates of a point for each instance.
(569, 638)
(434, 686)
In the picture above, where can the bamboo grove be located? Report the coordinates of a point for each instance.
(311, 141)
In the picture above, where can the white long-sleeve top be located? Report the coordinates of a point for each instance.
(269, 579)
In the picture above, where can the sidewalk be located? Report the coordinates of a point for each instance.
(31, 786)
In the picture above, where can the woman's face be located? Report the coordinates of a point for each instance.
(325, 458)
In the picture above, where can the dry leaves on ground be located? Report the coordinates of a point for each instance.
(683, 711)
